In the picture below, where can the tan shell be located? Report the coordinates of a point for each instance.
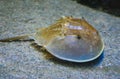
(71, 39)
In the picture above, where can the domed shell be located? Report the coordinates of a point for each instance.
(71, 39)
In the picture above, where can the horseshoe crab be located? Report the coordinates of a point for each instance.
(69, 39)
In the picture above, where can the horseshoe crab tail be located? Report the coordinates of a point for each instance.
(25, 37)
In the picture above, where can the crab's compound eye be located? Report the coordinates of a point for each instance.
(78, 37)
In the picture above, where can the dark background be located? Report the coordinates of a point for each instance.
(109, 6)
